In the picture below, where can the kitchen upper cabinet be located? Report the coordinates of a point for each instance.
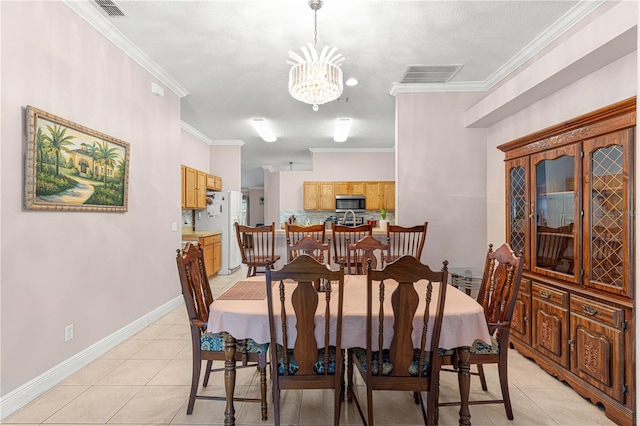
(319, 196)
(570, 210)
(373, 195)
(389, 195)
(350, 188)
(193, 188)
(201, 190)
(214, 183)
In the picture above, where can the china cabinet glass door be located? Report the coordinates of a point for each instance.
(518, 215)
(556, 214)
(606, 241)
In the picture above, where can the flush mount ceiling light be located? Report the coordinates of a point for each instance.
(351, 82)
(263, 129)
(315, 79)
(343, 125)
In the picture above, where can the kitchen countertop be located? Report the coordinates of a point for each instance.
(376, 231)
(194, 235)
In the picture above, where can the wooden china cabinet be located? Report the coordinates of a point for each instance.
(570, 209)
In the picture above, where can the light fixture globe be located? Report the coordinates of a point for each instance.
(315, 78)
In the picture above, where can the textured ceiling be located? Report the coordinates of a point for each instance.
(231, 58)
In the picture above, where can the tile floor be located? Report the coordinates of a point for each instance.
(145, 380)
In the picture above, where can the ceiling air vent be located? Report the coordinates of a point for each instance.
(109, 7)
(416, 74)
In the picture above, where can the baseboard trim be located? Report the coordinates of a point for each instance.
(26, 393)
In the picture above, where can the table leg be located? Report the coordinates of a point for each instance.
(229, 378)
(464, 382)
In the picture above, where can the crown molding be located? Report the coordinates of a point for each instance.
(96, 19)
(379, 150)
(204, 138)
(569, 19)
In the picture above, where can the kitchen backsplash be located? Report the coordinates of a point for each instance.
(313, 217)
(187, 217)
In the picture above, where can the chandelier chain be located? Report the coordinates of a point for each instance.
(315, 28)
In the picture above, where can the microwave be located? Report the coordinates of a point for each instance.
(350, 202)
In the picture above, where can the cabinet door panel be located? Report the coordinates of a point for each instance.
(555, 177)
(311, 195)
(597, 355)
(201, 192)
(520, 322)
(550, 331)
(608, 190)
(372, 194)
(191, 182)
(217, 254)
(389, 195)
(327, 198)
(518, 207)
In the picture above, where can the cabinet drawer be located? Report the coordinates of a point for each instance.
(216, 238)
(597, 311)
(207, 240)
(550, 295)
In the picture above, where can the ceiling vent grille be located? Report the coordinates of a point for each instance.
(416, 74)
(109, 7)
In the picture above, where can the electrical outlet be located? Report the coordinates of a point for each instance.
(68, 332)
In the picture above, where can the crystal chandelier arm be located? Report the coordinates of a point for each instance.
(293, 55)
(306, 54)
(314, 53)
(323, 55)
(336, 59)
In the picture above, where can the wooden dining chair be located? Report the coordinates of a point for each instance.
(364, 250)
(295, 233)
(210, 346)
(498, 292)
(257, 246)
(406, 240)
(552, 244)
(293, 318)
(403, 364)
(342, 236)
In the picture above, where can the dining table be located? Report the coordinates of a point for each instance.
(242, 313)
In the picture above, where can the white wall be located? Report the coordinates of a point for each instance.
(332, 166)
(225, 162)
(441, 176)
(193, 152)
(98, 271)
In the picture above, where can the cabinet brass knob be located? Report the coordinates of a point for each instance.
(525, 319)
(572, 342)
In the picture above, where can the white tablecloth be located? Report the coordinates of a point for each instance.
(463, 320)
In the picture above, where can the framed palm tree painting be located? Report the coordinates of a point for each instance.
(72, 168)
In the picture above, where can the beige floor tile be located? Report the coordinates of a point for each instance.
(161, 349)
(133, 372)
(93, 372)
(178, 331)
(152, 405)
(174, 317)
(126, 349)
(185, 352)
(391, 407)
(210, 412)
(152, 331)
(567, 407)
(46, 405)
(96, 405)
(176, 373)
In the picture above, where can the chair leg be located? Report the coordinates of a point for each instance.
(262, 368)
(195, 379)
(207, 373)
(483, 381)
(504, 384)
(275, 388)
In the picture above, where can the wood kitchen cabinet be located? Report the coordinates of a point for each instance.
(350, 188)
(319, 196)
(212, 253)
(373, 194)
(194, 188)
(389, 195)
(570, 210)
(214, 183)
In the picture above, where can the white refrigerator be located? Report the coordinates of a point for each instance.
(220, 215)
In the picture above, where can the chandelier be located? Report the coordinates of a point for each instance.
(315, 79)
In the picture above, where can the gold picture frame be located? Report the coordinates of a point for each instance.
(69, 167)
